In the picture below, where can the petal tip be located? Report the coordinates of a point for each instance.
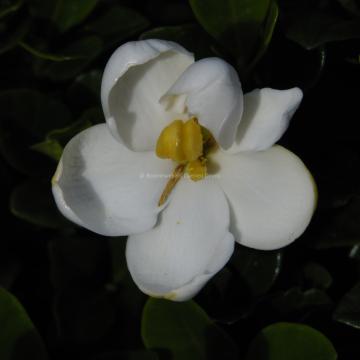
(57, 175)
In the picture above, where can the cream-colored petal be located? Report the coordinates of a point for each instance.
(210, 90)
(271, 193)
(105, 187)
(135, 78)
(267, 113)
(187, 247)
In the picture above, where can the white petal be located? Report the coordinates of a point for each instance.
(189, 245)
(214, 96)
(135, 78)
(105, 187)
(266, 117)
(271, 193)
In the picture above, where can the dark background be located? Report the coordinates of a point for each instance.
(73, 284)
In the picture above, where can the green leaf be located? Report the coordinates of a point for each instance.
(236, 24)
(50, 148)
(13, 35)
(84, 310)
(9, 7)
(268, 30)
(14, 148)
(46, 55)
(27, 116)
(64, 135)
(296, 300)
(18, 337)
(184, 331)
(10, 268)
(348, 310)
(258, 269)
(311, 30)
(282, 341)
(352, 6)
(63, 13)
(317, 276)
(85, 90)
(85, 315)
(132, 298)
(56, 140)
(128, 355)
(190, 36)
(117, 24)
(33, 112)
(75, 259)
(344, 229)
(33, 202)
(84, 50)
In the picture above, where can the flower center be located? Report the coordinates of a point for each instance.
(188, 144)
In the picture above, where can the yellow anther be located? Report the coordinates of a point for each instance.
(169, 143)
(192, 142)
(188, 144)
(197, 169)
(181, 142)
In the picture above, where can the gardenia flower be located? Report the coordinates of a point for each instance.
(185, 165)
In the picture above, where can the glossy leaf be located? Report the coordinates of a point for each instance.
(296, 300)
(46, 55)
(15, 149)
(85, 50)
(10, 268)
(258, 269)
(191, 36)
(184, 331)
(33, 202)
(314, 29)
(348, 310)
(317, 275)
(118, 24)
(352, 6)
(33, 112)
(63, 13)
(83, 313)
(85, 90)
(282, 341)
(344, 228)
(18, 337)
(50, 148)
(10, 38)
(128, 355)
(132, 298)
(236, 24)
(10, 7)
(56, 140)
(27, 116)
(267, 31)
(65, 134)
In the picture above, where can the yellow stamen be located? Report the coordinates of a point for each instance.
(174, 178)
(197, 169)
(187, 143)
(192, 141)
(181, 142)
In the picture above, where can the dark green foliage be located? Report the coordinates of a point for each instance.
(301, 302)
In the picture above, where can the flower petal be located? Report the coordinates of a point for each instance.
(213, 94)
(188, 246)
(135, 78)
(266, 117)
(105, 187)
(271, 193)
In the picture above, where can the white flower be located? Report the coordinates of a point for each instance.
(109, 179)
